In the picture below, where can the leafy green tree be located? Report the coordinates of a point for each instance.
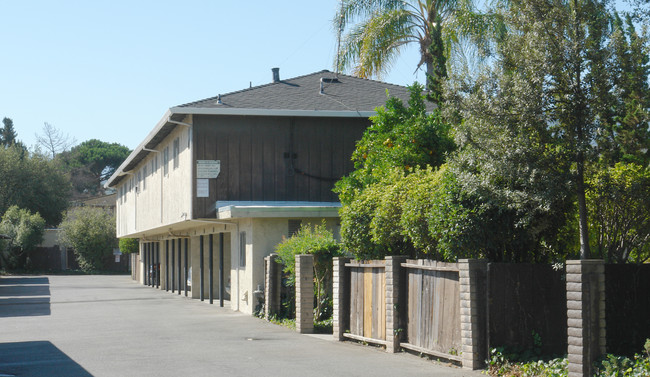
(400, 140)
(90, 232)
(92, 162)
(33, 182)
(548, 98)
(401, 137)
(378, 29)
(319, 242)
(129, 245)
(620, 218)
(623, 102)
(25, 231)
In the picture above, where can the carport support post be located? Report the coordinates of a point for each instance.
(173, 269)
(221, 270)
(158, 265)
(305, 293)
(393, 302)
(166, 265)
(186, 267)
(151, 277)
(180, 267)
(472, 278)
(149, 265)
(585, 286)
(341, 295)
(201, 279)
(210, 265)
(144, 260)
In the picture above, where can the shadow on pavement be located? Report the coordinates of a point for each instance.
(39, 358)
(24, 296)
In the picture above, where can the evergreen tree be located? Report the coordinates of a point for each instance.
(8, 134)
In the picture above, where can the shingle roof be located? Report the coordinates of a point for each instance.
(340, 93)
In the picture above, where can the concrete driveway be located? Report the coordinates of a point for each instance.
(112, 326)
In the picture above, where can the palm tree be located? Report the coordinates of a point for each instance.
(379, 29)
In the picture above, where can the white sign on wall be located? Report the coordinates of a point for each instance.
(208, 168)
(202, 188)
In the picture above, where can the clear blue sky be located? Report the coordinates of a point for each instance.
(109, 70)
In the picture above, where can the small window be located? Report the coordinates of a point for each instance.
(144, 177)
(166, 161)
(242, 249)
(176, 151)
(294, 227)
(139, 182)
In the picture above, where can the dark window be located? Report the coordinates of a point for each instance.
(242, 249)
(294, 227)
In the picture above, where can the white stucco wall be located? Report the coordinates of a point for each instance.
(157, 199)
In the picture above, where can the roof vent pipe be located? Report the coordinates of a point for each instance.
(276, 74)
(322, 89)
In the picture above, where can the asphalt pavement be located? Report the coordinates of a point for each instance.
(112, 326)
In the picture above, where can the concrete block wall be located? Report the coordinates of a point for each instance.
(393, 302)
(472, 312)
(585, 282)
(341, 297)
(305, 294)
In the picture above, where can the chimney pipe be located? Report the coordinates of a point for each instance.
(276, 74)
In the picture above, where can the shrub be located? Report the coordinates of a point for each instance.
(319, 242)
(91, 233)
(25, 231)
(129, 245)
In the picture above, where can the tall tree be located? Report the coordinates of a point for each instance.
(53, 140)
(34, 183)
(92, 162)
(8, 134)
(378, 29)
(554, 73)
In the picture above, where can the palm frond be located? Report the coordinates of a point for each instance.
(372, 46)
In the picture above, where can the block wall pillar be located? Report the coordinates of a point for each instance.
(473, 274)
(394, 302)
(341, 297)
(272, 281)
(305, 294)
(585, 284)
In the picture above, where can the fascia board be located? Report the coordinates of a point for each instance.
(271, 112)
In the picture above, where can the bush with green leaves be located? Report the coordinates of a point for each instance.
(401, 137)
(620, 366)
(129, 245)
(25, 230)
(90, 232)
(619, 198)
(319, 242)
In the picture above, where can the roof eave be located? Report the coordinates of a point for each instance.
(272, 112)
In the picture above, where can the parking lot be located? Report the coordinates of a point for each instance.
(112, 326)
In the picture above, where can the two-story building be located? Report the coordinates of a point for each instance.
(219, 182)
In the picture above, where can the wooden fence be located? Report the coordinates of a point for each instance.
(433, 308)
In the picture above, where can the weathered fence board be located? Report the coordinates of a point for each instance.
(368, 301)
(433, 308)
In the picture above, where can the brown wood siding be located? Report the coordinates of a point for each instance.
(273, 158)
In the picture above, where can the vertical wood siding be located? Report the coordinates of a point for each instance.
(274, 158)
